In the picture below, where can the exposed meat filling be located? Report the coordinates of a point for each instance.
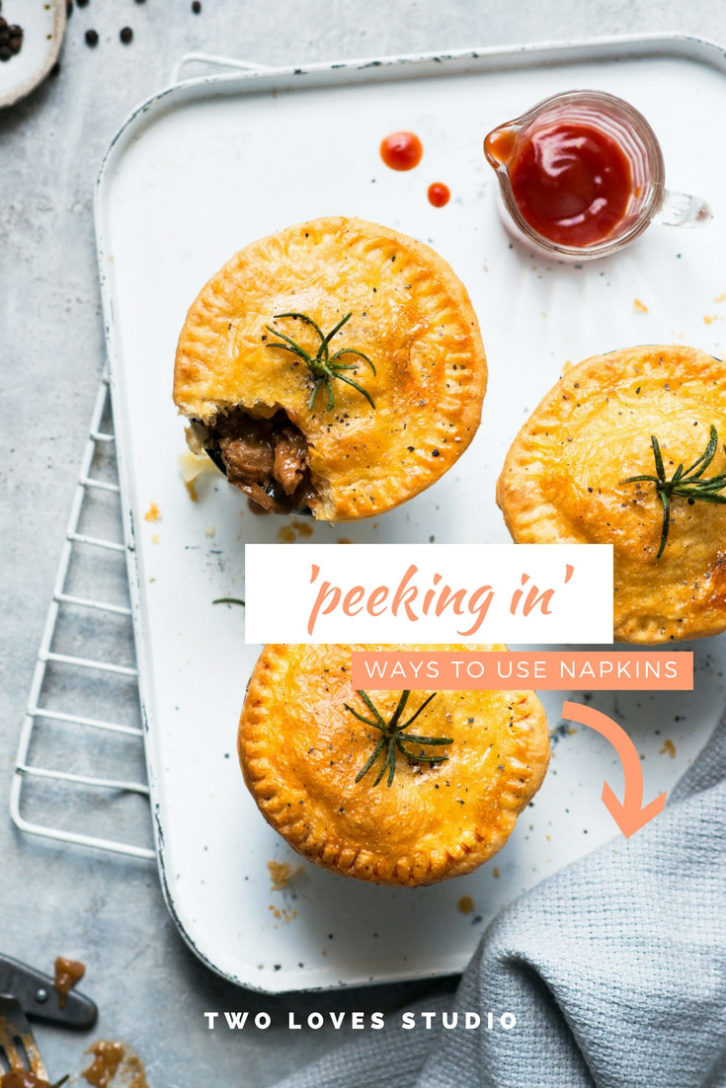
(265, 458)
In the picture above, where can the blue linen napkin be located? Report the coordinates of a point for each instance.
(615, 969)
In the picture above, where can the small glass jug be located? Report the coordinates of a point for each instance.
(618, 123)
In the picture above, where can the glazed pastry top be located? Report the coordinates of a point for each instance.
(301, 752)
(564, 480)
(410, 315)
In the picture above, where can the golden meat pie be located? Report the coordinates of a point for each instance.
(335, 367)
(468, 763)
(569, 477)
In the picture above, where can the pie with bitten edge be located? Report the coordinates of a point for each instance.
(316, 759)
(584, 469)
(334, 368)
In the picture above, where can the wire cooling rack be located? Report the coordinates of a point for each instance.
(80, 773)
(90, 612)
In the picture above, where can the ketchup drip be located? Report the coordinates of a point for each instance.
(401, 150)
(571, 182)
(438, 194)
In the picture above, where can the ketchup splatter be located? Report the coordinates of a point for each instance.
(571, 181)
(401, 150)
(438, 194)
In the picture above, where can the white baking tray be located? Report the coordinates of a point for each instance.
(197, 172)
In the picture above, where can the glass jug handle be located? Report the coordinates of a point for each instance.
(682, 210)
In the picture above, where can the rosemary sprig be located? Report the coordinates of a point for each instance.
(323, 366)
(688, 483)
(393, 739)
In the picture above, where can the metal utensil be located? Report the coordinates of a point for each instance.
(18, 1049)
(38, 998)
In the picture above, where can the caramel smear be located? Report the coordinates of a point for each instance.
(296, 530)
(114, 1064)
(639, 307)
(153, 513)
(107, 1058)
(22, 1078)
(303, 528)
(466, 904)
(281, 873)
(134, 1072)
(668, 749)
(67, 974)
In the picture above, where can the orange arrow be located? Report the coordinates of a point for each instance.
(629, 814)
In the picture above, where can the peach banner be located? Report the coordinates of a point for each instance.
(548, 670)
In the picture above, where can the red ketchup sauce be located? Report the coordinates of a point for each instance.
(571, 181)
(401, 150)
(438, 194)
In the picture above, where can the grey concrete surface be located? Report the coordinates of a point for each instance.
(109, 912)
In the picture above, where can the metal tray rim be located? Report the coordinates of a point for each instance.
(401, 66)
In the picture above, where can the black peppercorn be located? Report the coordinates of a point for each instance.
(11, 39)
(81, 3)
(92, 38)
(196, 7)
(126, 34)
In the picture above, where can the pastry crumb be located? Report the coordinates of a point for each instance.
(708, 319)
(210, 531)
(721, 297)
(156, 538)
(192, 466)
(668, 749)
(466, 904)
(281, 873)
(153, 513)
(495, 872)
(282, 914)
(639, 307)
(344, 540)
